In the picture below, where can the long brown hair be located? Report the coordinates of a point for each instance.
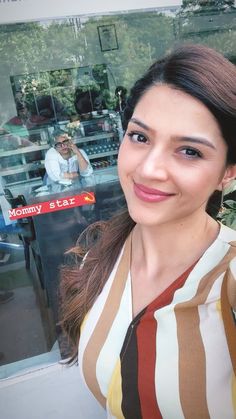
(198, 71)
(83, 279)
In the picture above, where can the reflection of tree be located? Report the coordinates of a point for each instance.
(209, 22)
(29, 47)
(142, 37)
(208, 3)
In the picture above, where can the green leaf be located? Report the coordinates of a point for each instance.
(230, 219)
(231, 204)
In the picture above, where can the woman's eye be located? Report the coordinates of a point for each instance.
(191, 152)
(137, 137)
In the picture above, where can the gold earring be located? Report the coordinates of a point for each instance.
(222, 208)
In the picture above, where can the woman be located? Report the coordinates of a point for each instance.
(65, 160)
(152, 343)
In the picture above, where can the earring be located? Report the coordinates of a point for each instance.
(222, 208)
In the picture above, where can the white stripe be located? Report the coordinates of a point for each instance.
(233, 267)
(227, 234)
(95, 313)
(167, 367)
(218, 364)
(110, 351)
(213, 255)
(206, 263)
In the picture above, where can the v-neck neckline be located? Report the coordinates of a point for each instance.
(163, 299)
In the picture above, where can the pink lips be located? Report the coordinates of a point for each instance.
(150, 195)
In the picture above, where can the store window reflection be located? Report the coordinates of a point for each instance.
(62, 157)
(23, 334)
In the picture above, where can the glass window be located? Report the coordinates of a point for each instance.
(64, 85)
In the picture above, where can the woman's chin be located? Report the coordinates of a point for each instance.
(142, 218)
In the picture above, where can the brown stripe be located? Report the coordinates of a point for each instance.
(227, 315)
(192, 362)
(231, 284)
(231, 289)
(104, 324)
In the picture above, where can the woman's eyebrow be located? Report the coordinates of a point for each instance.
(140, 123)
(197, 140)
(194, 140)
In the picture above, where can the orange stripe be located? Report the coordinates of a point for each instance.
(192, 362)
(104, 324)
(146, 332)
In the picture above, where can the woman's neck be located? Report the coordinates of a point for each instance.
(177, 245)
(67, 156)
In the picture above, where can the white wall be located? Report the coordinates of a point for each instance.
(53, 392)
(24, 10)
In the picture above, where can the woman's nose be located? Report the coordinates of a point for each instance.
(155, 165)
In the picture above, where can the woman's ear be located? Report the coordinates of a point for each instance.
(229, 176)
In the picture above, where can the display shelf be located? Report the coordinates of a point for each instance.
(24, 168)
(33, 182)
(86, 139)
(24, 150)
(105, 174)
(107, 153)
(36, 181)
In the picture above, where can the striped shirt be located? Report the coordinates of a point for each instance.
(171, 361)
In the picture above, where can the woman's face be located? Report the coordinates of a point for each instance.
(172, 158)
(62, 145)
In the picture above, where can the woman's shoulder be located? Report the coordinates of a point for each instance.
(227, 235)
(51, 153)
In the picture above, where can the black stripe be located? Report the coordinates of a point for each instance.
(130, 405)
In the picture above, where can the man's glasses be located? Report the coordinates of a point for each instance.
(63, 143)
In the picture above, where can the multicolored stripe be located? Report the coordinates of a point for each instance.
(171, 361)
